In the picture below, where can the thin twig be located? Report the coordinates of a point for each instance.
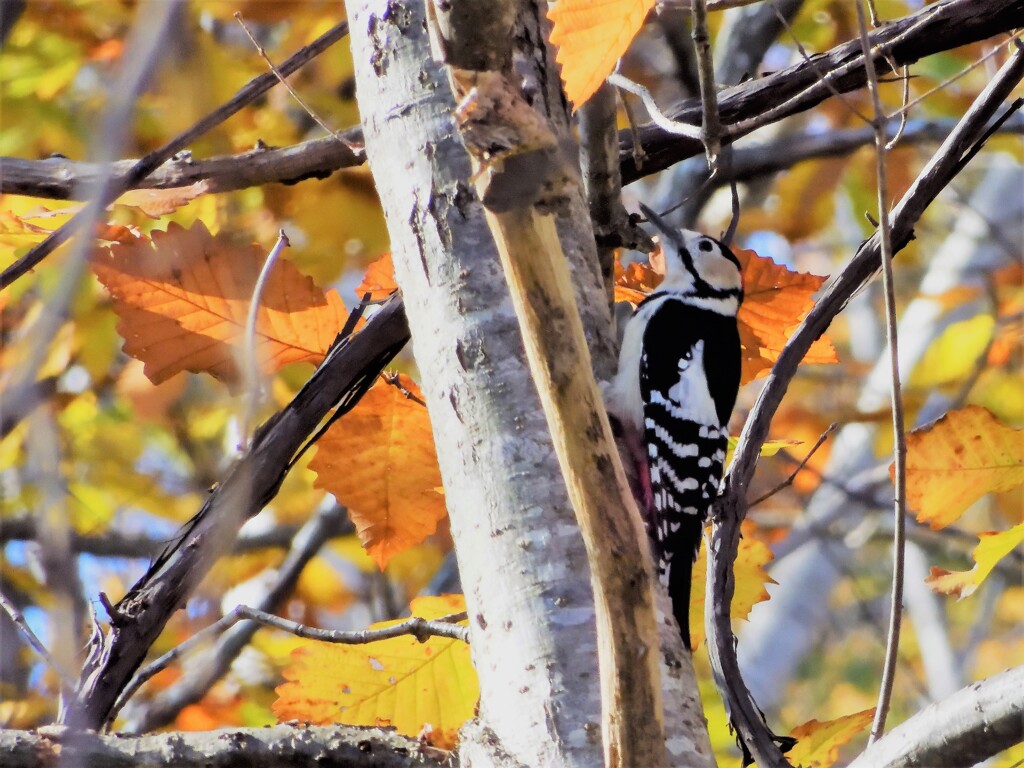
(953, 78)
(898, 426)
(902, 112)
(421, 629)
(250, 362)
(814, 64)
(828, 80)
(281, 78)
(657, 116)
(799, 467)
(711, 124)
(67, 680)
(729, 509)
(394, 381)
(247, 94)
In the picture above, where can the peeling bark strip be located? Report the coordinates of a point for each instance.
(517, 164)
(136, 621)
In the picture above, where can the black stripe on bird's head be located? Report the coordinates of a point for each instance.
(696, 264)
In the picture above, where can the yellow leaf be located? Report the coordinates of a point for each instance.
(991, 548)
(591, 36)
(954, 355)
(768, 447)
(380, 462)
(958, 459)
(183, 301)
(751, 580)
(398, 682)
(818, 743)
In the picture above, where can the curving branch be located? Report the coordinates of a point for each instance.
(972, 725)
(730, 508)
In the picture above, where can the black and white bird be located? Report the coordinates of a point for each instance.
(673, 394)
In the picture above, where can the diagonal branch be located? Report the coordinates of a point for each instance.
(731, 506)
(749, 106)
(136, 621)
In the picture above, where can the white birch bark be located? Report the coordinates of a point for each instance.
(520, 553)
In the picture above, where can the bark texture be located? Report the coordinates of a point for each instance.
(520, 553)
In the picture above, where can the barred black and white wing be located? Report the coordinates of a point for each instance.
(689, 376)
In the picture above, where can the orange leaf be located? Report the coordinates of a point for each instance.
(635, 281)
(399, 682)
(775, 300)
(591, 36)
(183, 301)
(380, 462)
(818, 743)
(991, 548)
(379, 280)
(958, 459)
(751, 580)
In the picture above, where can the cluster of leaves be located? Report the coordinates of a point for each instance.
(142, 434)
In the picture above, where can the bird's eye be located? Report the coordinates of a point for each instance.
(706, 245)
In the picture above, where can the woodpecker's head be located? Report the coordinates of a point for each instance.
(700, 268)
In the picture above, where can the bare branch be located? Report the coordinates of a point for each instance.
(730, 508)
(136, 621)
(744, 107)
(115, 187)
(338, 746)
(711, 124)
(799, 467)
(203, 673)
(67, 680)
(62, 179)
(970, 726)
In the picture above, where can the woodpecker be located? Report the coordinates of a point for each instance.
(673, 394)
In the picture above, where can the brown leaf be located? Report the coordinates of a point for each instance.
(183, 301)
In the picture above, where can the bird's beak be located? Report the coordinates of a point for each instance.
(666, 231)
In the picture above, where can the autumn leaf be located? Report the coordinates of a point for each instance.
(591, 36)
(183, 300)
(634, 282)
(992, 548)
(379, 280)
(958, 459)
(400, 682)
(775, 300)
(751, 580)
(954, 354)
(380, 462)
(818, 743)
